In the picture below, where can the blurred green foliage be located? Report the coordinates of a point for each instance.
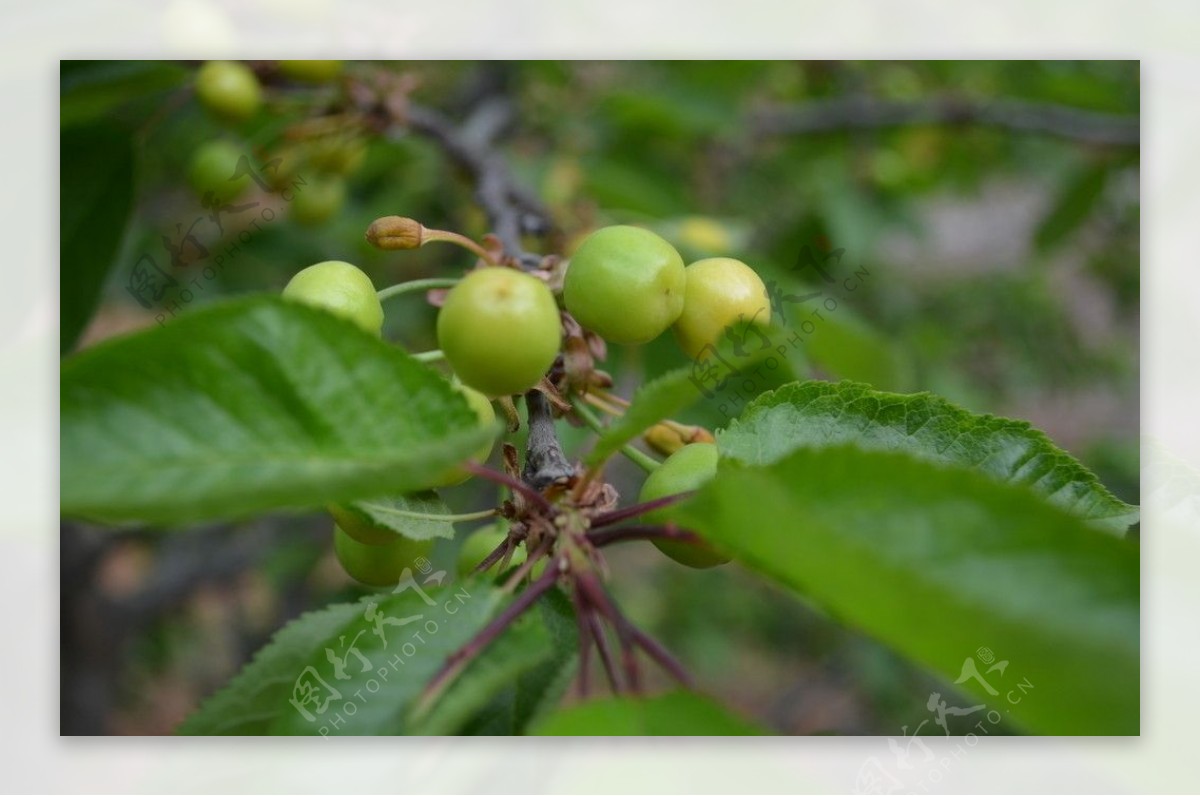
(1040, 320)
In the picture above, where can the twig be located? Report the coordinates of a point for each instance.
(545, 462)
(861, 112)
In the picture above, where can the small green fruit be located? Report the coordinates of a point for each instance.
(487, 417)
(626, 284)
(229, 89)
(311, 71)
(476, 547)
(720, 292)
(212, 168)
(360, 528)
(500, 330)
(378, 564)
(685, 470)
(318, 201)
(340, 288)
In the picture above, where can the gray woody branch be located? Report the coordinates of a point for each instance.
(850, 113)
(512, 210)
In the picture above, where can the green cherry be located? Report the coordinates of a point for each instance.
(626, 284)
(340, 288)
(229, 89)
(500, 330)
(378, 564)
(683, 471)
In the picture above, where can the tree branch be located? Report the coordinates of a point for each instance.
(861, 112)
(512, 211)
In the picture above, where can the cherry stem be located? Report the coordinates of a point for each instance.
(629, 533)
(429, 356)
(647, 463)
(414, 286)
(443, 236)
(469, 651)
(490, 560)
(529, 563)
(594, 593)
(637, 509)
(515, 484)
(602, 648)
(585, 641)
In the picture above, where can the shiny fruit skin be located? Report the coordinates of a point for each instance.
(720, 292)
(482, 406)
(626, 284)
(340, 288)
(311, 71)
(229, 89)
(683, 471)
(378, 564)
(318, 201)
(500, 330)
(212, 168)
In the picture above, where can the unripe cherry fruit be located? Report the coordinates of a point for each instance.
(212, 168)
(685, 470)
(311, 71)
(378, 564)
(721, 291)
(482, 406)
(500, 330)
(626, 284)
(340, 288)
(318, 201)
(229, 89)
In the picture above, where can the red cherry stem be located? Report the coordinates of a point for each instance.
(628, 533)
(637, 509)
(515, 484)
(479, 642)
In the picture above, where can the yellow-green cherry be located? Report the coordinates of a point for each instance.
(721, 292)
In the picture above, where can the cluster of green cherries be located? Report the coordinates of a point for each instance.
(232, 93)
(500, 330)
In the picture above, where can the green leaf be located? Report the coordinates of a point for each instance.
(819, 414)
(250, 406)
(674, 713)
(940, 562)
(667, 395)
(96, 194)
(844, 345)
(398, 514)
(1079, 196)
(374, 699)
(92, 90)
(516, 678)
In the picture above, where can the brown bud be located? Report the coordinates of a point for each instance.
(395, 232)
(666, 438)
(663, 439)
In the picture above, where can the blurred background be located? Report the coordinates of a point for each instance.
(989, 209)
